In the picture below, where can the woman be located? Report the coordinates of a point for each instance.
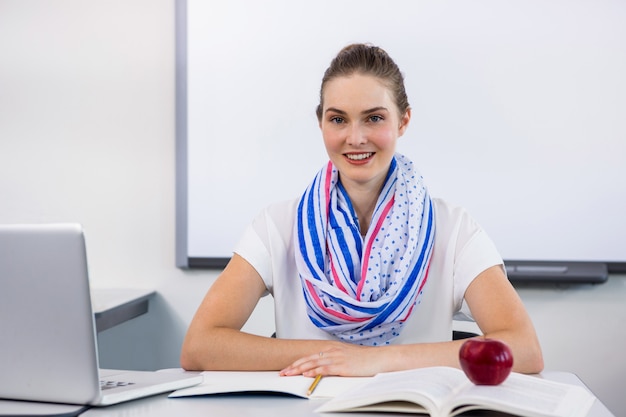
(366, 270)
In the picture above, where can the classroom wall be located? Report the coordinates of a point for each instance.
(87, 135)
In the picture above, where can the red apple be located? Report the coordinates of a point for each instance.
(486, 361)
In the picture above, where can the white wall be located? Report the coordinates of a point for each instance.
(87, 135)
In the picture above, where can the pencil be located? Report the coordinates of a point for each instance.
(313, 385)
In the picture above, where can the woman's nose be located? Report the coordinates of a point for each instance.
(356, 136)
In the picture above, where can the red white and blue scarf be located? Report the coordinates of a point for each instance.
(362, 290)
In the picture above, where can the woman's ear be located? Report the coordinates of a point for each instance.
(404, 122)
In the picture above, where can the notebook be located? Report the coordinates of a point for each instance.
(48, 345)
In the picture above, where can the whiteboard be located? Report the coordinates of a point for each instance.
(519, 114)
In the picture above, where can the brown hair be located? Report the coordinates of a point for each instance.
(366, 59)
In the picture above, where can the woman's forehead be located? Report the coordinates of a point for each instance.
(357, 90)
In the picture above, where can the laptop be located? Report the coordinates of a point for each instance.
(48, 345)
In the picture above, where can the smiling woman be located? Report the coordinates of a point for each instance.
(366, 270)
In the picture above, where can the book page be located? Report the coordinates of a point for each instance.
(415, 391)
(221, 382)
(444, 391)
(331, 386)
(530, 396)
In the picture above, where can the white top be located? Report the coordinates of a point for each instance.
(462, 251)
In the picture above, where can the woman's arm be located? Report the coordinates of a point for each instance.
(500, 314)
(497, 309)
(214, 340)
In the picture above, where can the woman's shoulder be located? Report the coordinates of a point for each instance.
(448, 209)
(270, 230)
(277, 217)
(282, 209)
(453, 218)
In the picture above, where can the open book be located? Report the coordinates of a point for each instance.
(223, 382)
(444, 391)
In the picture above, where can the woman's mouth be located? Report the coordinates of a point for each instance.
(359, 156)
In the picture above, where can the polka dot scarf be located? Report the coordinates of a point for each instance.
(362, 290)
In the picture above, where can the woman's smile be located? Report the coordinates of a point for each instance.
(359, 158)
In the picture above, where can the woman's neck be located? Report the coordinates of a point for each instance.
(363, 198)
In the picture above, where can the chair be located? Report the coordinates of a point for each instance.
(459, 335)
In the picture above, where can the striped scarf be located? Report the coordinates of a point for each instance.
(362, 290)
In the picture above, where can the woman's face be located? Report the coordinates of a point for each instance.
(360, 124)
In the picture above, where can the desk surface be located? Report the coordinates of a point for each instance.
(263, 405)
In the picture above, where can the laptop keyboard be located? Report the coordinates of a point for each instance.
(104, 385)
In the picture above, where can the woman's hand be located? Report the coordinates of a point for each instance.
(341, 359)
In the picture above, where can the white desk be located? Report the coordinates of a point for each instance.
(262, 405)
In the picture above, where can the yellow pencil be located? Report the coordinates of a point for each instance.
(313, 385)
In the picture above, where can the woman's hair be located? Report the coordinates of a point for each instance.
(366, 59)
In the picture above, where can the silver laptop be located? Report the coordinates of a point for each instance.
(48, 345)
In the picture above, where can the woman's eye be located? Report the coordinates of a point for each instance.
(376, 119)
(336, 119)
